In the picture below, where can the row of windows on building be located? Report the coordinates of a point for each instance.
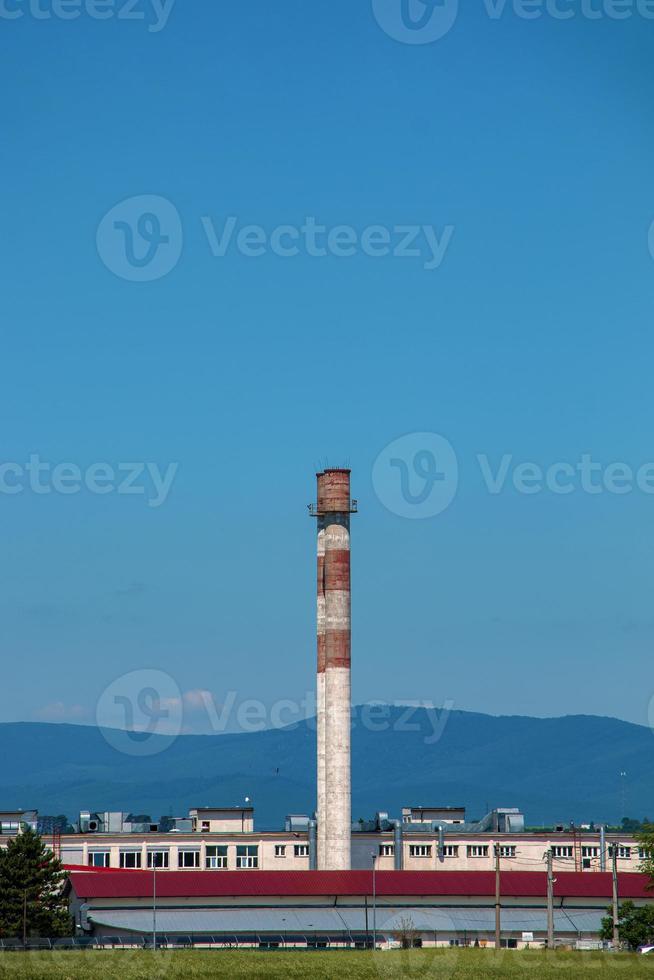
(299, 850)
(449, 850)
(247, 856)
(9, 826)
(624, 853)
(507, 851)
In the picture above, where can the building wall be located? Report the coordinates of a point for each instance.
(266, 856)
(217, 821)
(414, 814)
(464, 852)
(521, 852)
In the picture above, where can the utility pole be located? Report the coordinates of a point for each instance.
(154, 902)
(498, 899)
(25, 917)
(374, 901)
(616, 929)
(550, 900)
(574, 847)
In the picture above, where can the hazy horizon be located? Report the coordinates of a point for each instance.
(202, 727)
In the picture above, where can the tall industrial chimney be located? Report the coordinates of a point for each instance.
(333, 689)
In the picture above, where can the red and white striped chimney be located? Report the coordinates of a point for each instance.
(334, 809)
(320, 696)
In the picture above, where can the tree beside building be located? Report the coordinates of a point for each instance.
(31, 890)
(636, 925)
(646, 845)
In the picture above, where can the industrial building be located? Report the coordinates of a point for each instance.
(211, 878)
(341, 908)
(422, 839)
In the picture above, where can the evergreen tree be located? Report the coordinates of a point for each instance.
(31, 889)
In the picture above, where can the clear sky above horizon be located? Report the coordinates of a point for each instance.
(532, 141)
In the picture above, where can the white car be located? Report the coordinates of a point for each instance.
(646, 949)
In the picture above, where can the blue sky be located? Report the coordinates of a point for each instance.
(533, 142)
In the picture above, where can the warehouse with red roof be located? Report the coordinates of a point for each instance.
(335, 908)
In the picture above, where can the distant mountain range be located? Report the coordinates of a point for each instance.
(556, 770)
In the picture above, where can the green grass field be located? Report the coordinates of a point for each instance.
(414, 965)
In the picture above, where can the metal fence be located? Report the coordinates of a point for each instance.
(250, 941)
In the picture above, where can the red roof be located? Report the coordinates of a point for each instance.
(216, 884)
